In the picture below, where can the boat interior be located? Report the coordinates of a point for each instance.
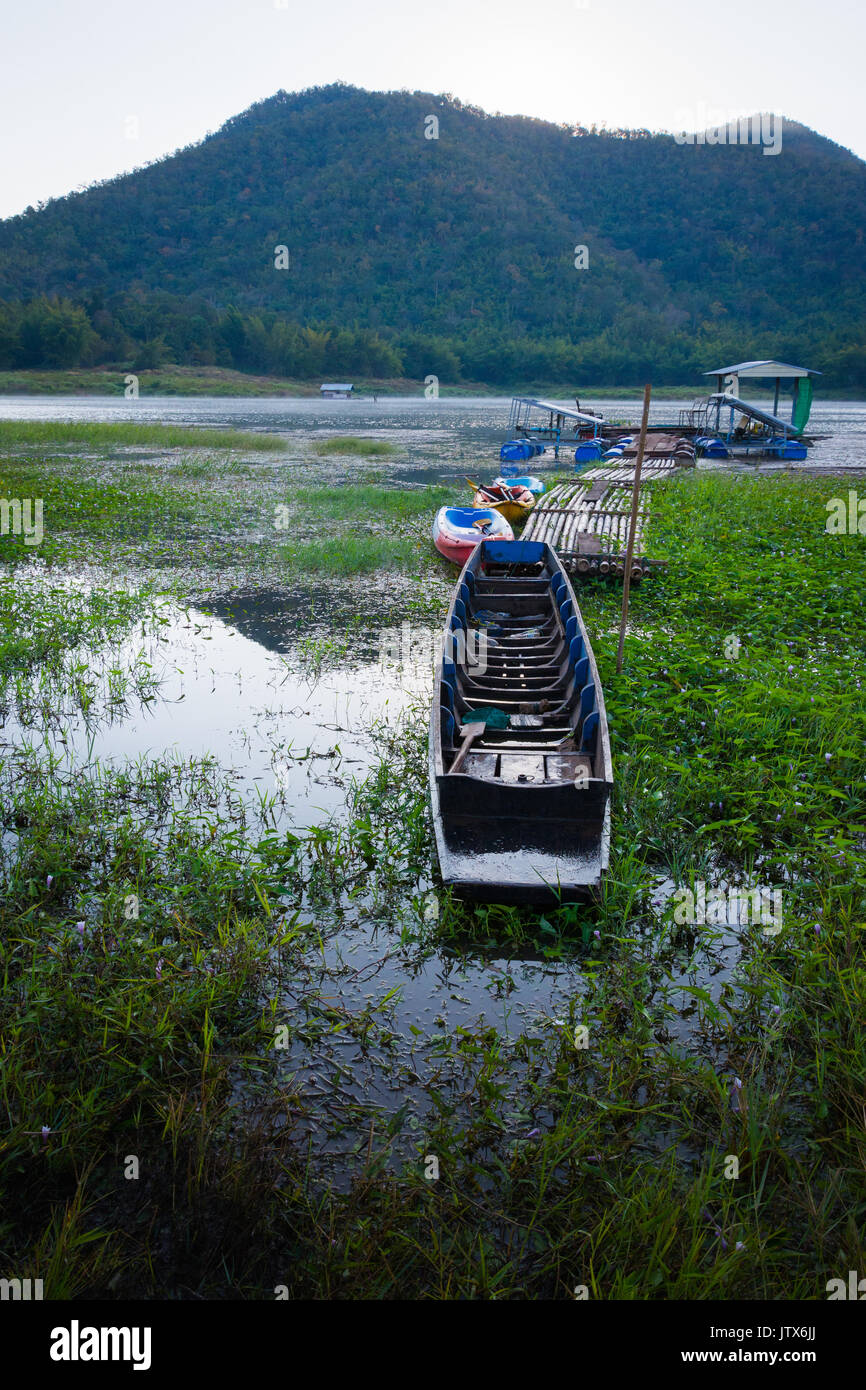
(515, 644)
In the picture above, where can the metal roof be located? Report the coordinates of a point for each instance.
(561, 410)
(766, 367)
(337, 386)
(752, 411)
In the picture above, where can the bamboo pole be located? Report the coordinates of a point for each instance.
(635, 498)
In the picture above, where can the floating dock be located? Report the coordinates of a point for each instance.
(587, 520)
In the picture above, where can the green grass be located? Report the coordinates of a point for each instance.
(167, 516)
(36, 433)
(352, 444)
(352, 555)
(560, 1166)
(404, 515)
(369, 502)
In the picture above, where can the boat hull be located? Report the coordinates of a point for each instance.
(523, 817)
(517, 862)
(515, 509)
(455, 534)
(527, 480)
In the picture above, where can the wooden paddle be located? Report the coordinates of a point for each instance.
(471, 729)
(469, 733)
(488, 492)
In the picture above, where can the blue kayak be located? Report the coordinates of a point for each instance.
(535, 485)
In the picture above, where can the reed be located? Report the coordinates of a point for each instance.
(155, 1036)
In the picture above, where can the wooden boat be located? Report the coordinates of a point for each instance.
(458, 530)
(514, 502)
(521, 813)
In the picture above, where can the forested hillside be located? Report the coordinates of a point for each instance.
(408, 255)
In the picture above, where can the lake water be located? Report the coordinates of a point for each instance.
(235, 684)
(438, 439)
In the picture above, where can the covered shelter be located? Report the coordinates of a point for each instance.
(336, 390)
(548, 421)
(767, 369)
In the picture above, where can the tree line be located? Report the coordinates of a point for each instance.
(142, 332)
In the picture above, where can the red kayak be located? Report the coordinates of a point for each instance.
(457, 531)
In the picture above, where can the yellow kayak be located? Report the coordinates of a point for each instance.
(514, 503)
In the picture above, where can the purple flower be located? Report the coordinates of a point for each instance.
(49, 880)
(817, 930)
(45, 1133)
(597, 935)
(159, 969)
(827, 757)
(532, 1133)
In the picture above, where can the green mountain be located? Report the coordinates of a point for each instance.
(454, 254)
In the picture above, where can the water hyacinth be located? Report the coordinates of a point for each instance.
(679, 842)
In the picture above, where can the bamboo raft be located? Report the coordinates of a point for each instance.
(587, 521)
(624, 473)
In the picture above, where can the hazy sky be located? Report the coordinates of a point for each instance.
(79, 78)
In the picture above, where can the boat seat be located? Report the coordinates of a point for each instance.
(558, 694)
(588, 732)
(449, 728)
(581, 672)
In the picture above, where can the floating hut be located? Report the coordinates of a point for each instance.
(746, 428)
(552, 423)
(336, 390)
